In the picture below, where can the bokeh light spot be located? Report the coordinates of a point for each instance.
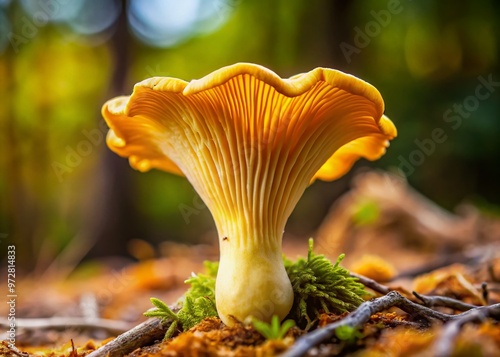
(165, 23)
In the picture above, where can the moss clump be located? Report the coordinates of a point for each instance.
(319, 285)
(197, 304)
(199, 301)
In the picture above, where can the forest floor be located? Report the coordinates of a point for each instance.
(433, 279)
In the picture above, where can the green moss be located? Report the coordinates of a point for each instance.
(318, 286)
(197, 304)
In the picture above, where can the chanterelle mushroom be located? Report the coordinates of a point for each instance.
(250, 143)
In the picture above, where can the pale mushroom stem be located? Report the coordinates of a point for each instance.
(252, 281)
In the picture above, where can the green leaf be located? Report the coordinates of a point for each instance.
(161, 311)
(170, 331)
(348, 333)
(159, 304)
(273, 330)
(366, 212)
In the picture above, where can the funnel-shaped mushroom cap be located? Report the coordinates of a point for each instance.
(250, 143)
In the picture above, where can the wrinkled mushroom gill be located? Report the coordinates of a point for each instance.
(248, 149)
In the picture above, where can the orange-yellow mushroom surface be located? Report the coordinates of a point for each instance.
(250, 143)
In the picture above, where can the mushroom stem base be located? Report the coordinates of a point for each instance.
(252, 284)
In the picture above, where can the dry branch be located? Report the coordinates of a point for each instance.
(473, 256)
(372, 284)
(444, 345)
(362, 315)
(142, 335)
(61, 323)
(431, 301)
(13, 350)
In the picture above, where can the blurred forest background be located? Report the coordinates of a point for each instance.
(65, 197)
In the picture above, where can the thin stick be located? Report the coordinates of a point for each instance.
(363, 313)
(356, 319)
(141, 335)
(372, 284)
(470, 257)
(14, 350)
(443, 346)
(60, 323)
(431, 301)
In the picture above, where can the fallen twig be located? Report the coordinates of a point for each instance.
(431, 301)
(444, 345)
(58, 323)
(484, 291)
(141, 335)
(363, 313)
(372, 284)
(14, 350)
(356, 319)
(469, 257)
(73, 352)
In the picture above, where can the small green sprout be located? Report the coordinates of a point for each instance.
(161, 311)
(164, 313)
(348, 334)
(197, 304)
(366, 212)
(274, 330)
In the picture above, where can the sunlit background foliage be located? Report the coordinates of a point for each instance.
(64, 194)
